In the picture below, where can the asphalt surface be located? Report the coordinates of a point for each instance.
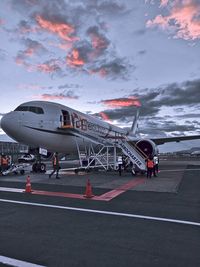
(52, 236)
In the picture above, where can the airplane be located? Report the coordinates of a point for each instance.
(196, 153)
(58, 128)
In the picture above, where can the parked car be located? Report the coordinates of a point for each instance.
(26, 158)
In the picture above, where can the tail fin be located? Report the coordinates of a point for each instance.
(134, 126)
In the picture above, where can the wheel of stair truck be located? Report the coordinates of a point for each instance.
(34, 167)
(42, 167)
(39, 167)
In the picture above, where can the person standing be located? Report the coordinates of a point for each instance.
(155, 169)
(56, 166)
(120, 162)
(150, 166)
(4, 163)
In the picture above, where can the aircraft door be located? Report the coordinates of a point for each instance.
(65, 119)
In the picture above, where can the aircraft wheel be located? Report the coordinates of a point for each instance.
(34, 167)
(76, 171)
(42, 167)
(22, 172)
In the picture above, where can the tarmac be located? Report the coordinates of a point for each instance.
(130, 220)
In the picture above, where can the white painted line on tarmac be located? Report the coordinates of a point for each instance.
(13, 190)
(17, 263)
(102, 212)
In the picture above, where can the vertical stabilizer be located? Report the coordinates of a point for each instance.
(134, 126)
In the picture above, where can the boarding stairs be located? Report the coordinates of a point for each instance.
(119, 140)
(135, 156)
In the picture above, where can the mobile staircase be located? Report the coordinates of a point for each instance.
(135, 155)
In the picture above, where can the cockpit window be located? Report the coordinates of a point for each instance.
(33, 109)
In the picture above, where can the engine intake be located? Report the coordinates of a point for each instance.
(147, 146)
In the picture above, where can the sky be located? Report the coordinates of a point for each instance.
(107, 58)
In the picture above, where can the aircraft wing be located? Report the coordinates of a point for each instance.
(162, 140)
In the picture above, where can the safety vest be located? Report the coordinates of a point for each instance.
(155, 159)
(119, 160)
(150, 163)
(4, 161)
(55, 161)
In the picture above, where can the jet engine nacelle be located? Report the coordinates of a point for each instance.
(147, 146)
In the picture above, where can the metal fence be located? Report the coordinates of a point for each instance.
(12, 149)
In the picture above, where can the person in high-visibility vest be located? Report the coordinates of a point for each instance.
(150, 166)
(4, 163)
(56, 166)
(155, 169)
(120, 162)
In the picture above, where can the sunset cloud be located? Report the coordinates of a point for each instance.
(122, 102)
(164, 3)
(58, 96)
(64, 30)
(74, 59)
(24, 27)
(50, 66)
(104, 116)
(183, 20)
(99, 41)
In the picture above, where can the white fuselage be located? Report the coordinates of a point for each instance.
(56, 127)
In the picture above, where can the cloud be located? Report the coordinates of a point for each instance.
(173, 96)
(69, 85)
(164, 3)
(2, 22)
(183, 20)
(50, 66)
(79, 30)
(142, 52)
(74, 59)
(122, 102)
(116, 68)
(3, 54)
(99, 41)
(64, 30)
(104, 116)
(24, 27)
(33, 87)
(58, 96)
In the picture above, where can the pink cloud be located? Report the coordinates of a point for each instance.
(104, 116)
(74, 59)
(164, 3)
(2, 22)
(63, 30)
(122, 102)
(183, 20)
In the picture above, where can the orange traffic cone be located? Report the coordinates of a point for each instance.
(88, 192)
(28, 185)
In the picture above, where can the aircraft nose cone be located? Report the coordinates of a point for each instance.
(9, 123)
(4, 123)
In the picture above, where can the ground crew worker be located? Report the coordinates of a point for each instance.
(155, 169)
(120, 162)
(150, 166)
(4, 163)
(56, 166)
